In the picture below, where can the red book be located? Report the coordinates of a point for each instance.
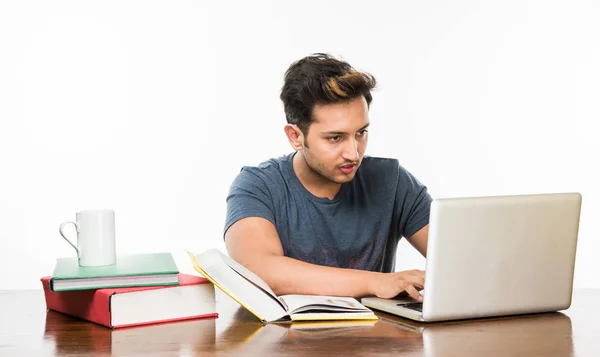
(193, 298)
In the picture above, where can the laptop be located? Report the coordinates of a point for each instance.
(495, 256)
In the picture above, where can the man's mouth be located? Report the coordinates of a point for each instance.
(347, 169)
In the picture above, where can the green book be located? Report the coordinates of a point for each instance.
(132, 270)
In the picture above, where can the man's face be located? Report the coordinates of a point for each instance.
(337, 139)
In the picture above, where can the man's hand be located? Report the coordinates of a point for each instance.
(388, 285)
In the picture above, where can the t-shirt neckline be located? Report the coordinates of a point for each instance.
(295, 181)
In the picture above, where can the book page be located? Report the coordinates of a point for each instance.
(255, 279)
(212, 266)
(299, 303)
(334, 325)
(338, 316)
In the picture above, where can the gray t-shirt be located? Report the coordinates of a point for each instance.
(359, 228)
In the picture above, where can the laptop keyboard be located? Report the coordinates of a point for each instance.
(417, 306)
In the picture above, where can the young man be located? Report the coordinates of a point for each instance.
(326, 220)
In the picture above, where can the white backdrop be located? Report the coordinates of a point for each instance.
(152, 107)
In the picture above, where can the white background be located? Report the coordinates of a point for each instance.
(151, 108)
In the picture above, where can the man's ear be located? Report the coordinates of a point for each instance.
(295, 136)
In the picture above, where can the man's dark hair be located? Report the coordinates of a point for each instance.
(321, 79)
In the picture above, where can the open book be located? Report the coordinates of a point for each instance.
(254, 294)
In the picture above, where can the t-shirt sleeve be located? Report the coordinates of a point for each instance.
(413, 201)
(248, 196)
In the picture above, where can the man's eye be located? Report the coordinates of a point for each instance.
(334, 138)
(363, 132)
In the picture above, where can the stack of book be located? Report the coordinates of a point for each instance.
(139, 289)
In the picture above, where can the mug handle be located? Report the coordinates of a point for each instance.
(60, 229)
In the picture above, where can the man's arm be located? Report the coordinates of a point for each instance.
(419, 240)
(254, 243)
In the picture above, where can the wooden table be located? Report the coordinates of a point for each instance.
(27, 329)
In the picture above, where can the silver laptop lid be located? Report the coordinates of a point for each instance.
(490, 256)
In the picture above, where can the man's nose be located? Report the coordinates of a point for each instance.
(351, 150)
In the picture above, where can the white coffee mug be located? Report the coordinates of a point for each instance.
(95, 237)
